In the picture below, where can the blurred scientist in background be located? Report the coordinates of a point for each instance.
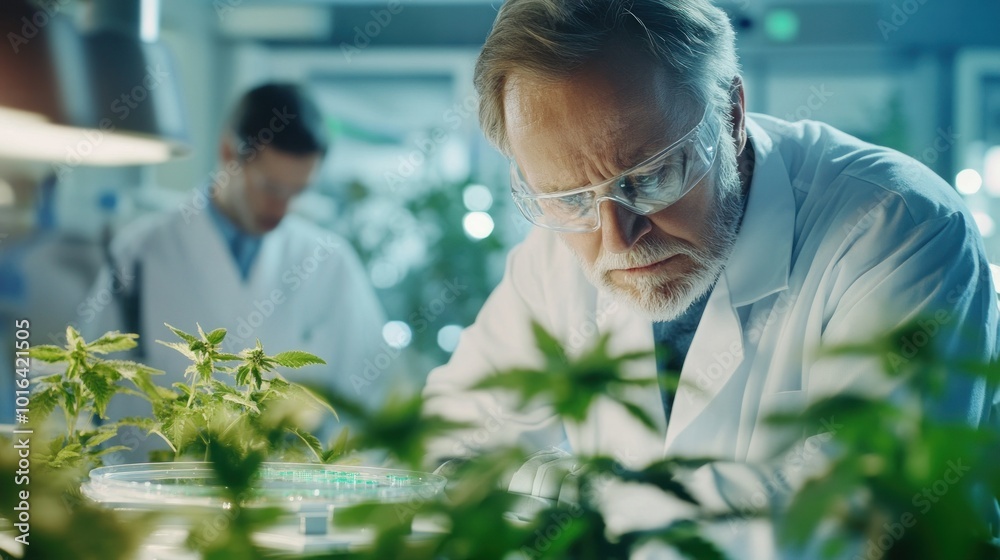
(231, 257)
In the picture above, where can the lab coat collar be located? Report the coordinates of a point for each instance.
(761, 259)
(759, 266)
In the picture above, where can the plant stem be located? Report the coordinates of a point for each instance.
(69, 425)
(194, 386)
(229, 427)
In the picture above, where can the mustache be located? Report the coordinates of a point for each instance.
(648, 251)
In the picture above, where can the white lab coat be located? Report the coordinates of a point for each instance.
(306, 291)
(841, 240)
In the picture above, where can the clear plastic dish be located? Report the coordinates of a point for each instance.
(295, 486)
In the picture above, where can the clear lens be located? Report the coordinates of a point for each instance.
(650, 187)
(571, 211)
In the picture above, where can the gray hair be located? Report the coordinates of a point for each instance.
(550, 39)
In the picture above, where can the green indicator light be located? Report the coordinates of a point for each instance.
(781, 26)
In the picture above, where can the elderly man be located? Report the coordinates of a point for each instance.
(667, 216)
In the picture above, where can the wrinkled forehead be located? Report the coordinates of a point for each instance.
(599, 121)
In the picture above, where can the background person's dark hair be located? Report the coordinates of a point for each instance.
(280, 115)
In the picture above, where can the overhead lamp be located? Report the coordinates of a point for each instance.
(55, 107)
(134, 82)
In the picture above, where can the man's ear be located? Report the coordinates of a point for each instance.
(738, 114)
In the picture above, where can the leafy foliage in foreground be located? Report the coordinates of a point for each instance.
(905, 479)
(572, 386)
(901, 482)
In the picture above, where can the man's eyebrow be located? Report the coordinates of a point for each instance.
(627, 160)
(552, 188)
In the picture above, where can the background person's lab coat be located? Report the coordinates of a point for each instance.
(840, 242)
(306, 290)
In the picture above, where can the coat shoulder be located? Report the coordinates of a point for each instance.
(831, 170)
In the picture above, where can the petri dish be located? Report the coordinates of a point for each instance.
(294, 486)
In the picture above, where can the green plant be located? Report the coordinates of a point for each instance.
(475, 510)
(61, 523)
(235, 428)
(903, 480)
(886, 455)
(571, 386)
(85, 389)
(257, 404)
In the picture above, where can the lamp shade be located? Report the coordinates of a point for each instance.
(135, 89)
(50, 109)
(42, 75)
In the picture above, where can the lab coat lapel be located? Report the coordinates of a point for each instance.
(759, 266)
(618, 433)
(715, 354)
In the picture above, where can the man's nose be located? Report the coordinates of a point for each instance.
(621, 228)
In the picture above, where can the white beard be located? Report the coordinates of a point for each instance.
(665, 299)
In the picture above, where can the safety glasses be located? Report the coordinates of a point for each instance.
(649, 187)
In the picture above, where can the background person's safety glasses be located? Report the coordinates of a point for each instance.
(644, 189)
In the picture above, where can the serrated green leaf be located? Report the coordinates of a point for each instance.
(141, 422)
(216, 336)
(258, 378)
(101, 389)
(296, 359)
(140, 376)
(165, 394)
(73, 338)
(222, 388)
(184, 389)
(128, 368)
(186, 337)
(242, 374)
(182, 348)
(48, 353)
(66, 453)
(224, 357)
(113, 342)
(92, 439)
(205, 370)
(280, 385)
(239, 399)
(109, 373)
(44, 402)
